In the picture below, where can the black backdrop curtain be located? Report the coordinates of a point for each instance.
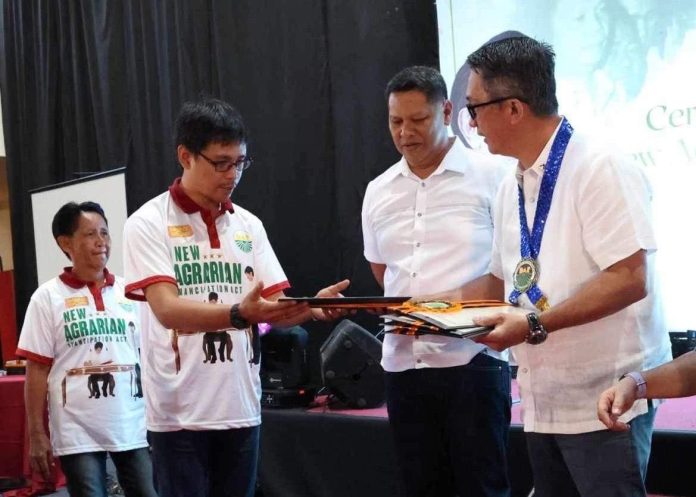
(90, 86)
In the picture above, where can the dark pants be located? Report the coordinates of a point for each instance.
(86, 473)
(211, 463)
(596, 464)
(450, 428)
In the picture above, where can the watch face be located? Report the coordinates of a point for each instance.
(536, 336)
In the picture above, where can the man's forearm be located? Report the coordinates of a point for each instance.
(606, 293)
(673, 379)
(35, 391)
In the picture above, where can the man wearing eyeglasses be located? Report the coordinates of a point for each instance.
(574, 245)
(427, 228)
(203, 416)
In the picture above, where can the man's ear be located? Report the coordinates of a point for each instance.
(184, 156)
(447, 110)
(65, 244)
(518, 111)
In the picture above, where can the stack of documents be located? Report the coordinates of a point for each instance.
(448, 318)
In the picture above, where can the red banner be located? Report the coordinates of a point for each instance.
(8, 318)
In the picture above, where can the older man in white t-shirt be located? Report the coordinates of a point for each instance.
(427, 228)
(74, 337)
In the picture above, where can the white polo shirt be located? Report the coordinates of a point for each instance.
(434, 235)
(65, 319)
(189, 381)
(599, 215)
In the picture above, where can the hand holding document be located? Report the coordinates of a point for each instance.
(405, 317)
(446, 318)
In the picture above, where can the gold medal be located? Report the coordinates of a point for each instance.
(526, 274)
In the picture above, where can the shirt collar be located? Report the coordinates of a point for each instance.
(540, 162)
(187, 204)
(70, 279)
(455, 160)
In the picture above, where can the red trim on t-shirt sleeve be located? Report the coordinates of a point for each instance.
(135, 296)
(139, 285)
(270, 290)
(48, 361)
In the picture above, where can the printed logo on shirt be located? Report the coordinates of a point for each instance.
(76, 302)
(200, 274)
(182, 231)
(218, 346)
(102, 374)
(243, 241)
(81, 328)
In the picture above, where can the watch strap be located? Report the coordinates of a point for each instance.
(236, 319)
(641, 384)
(537, 333)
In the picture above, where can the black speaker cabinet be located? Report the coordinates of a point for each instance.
(350, 366)
(284, 358)
(682, 342)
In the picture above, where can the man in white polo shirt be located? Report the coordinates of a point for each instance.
(574, 245)
(427, 228)
(181, 247)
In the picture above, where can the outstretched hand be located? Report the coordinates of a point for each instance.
(615, 401)
(256, 309)
(509, 329)
(329, 314)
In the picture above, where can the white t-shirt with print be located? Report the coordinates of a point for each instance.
(63, 324)
(199, 388)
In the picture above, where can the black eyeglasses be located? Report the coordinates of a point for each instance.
(472, 108)
(222, 166)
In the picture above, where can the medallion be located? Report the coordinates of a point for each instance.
(526, 274)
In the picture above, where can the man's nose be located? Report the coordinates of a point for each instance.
(231, 173)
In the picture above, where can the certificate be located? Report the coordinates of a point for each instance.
(450, 316)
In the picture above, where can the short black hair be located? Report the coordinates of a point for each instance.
(67, 219)
(424, 79)
(248, 269)
(98, 345)
(212, 296)
(208, 120)
(521, 67)
(461, 82)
